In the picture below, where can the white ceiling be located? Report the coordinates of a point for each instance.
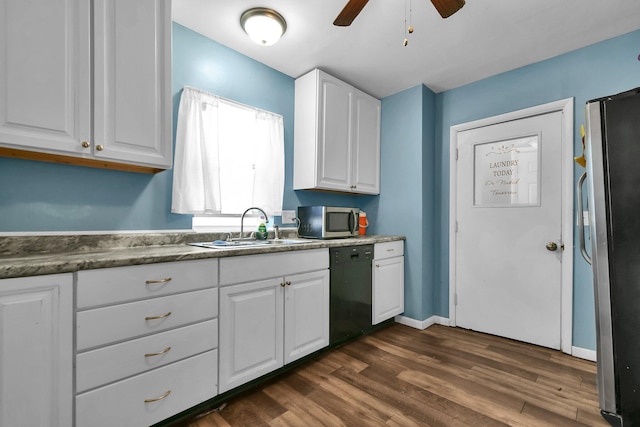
(484, 38)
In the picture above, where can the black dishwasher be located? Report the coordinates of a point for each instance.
(350, 274)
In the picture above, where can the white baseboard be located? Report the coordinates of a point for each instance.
(422, 324)
(583, 353)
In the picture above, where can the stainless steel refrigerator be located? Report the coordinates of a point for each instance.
(613, 194)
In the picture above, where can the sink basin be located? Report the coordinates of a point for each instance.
(222, 244)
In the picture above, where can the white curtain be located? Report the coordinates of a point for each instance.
(228, 157)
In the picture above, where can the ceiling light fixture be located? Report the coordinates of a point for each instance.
(264, 26)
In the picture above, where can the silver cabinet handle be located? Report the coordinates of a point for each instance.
(162, 316)
(166, 350)
(158, 398)
(154, 282)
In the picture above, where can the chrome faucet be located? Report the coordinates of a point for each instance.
(266, 219)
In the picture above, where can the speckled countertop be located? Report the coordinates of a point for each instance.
(22, 256)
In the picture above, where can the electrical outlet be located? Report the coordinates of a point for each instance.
(288, 217)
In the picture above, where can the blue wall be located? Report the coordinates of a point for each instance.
(205, 64)
(399, 208)
(37, 196)
(414, 198)
(406, 204)
(602, 69)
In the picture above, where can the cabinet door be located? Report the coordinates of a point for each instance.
(388, 288)
(334, 153)
(44, 75)
(132, 80)
(306, 313)
(36, 351)
(251, 322)
(366, 143)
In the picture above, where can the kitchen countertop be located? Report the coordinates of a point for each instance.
(23, 256)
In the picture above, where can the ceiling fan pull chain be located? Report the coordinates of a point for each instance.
(405, 42)
(410, 17)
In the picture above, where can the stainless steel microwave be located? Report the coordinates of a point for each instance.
(328, 222)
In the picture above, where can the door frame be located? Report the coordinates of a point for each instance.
(567, 193)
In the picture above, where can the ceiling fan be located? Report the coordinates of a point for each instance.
(352, 9)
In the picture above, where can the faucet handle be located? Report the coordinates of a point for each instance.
(276, 232)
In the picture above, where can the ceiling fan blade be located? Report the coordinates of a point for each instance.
(446, 8)
(351, 10)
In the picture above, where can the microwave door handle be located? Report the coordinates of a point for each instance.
(353, 224)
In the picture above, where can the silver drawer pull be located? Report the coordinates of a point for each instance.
(158, 398)
(155, 282)
(390, 250)
(162, 316)
(166, 350)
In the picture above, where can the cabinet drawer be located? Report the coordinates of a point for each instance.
(249, 268)
(106, 325)
(388, 249)
(109, 364)
(121, 284)
(190, 382)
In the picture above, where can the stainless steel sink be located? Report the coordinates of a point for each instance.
(222, 244)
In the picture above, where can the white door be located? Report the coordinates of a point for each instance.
(509, 229)
(306, 314)
(251, 331)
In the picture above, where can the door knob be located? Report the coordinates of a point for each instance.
(552, 246)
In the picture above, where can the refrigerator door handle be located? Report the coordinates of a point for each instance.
(581, 228)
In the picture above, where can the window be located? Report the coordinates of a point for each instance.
(228, 157)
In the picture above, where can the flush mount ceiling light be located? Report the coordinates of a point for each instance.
(264, 26)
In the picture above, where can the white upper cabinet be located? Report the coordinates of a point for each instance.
(54, 56)
(45, 88)
(336, 136)
(365, 144)
(132, 81)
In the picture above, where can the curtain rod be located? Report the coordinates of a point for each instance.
(231, 101)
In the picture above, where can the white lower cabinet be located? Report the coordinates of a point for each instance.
(36, 351)
(265, 324)
(152, 351)
(306, 314)
(388, 280)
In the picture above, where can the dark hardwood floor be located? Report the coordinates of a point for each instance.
(441, 376)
